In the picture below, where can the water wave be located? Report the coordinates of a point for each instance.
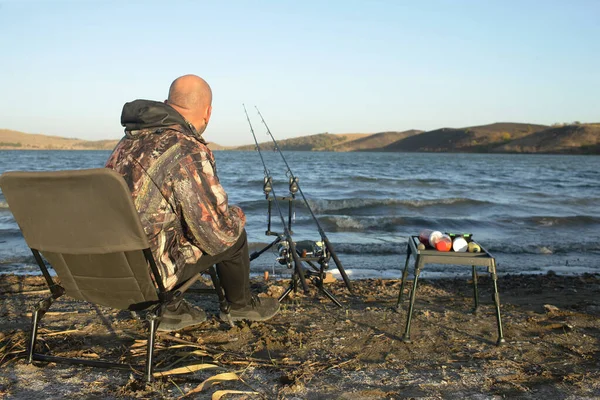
(370, 248)
(17, 259)
(3, 205)
(10, 233)
(256, 205)
(248, 182)
(547, 248)
(405, 182)
(363, 178)
(323, 206)
(396, 223)
(574, 185)
(568, 221)
(582, 201)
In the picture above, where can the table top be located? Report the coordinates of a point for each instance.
(483, 258)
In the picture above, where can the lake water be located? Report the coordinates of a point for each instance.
(535, 213)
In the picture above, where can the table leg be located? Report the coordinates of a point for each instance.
(418, 266)
(404, 276)
(475, 291)
(496, 298)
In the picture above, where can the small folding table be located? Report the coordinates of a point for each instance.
(432, 256)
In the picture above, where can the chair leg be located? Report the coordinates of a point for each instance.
(33, 336)
(404, 276)
(153, 322)
(38, 314)
(475, 292)
(41, 309)
(496, 298)
(418, 266)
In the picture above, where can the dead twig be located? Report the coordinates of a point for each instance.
(28, 292)
(11, 348)
(62, 332)
(29, 314)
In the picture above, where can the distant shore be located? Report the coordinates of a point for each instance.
(583, 153)
(575, 138)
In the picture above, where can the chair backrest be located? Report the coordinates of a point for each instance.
(85, 224)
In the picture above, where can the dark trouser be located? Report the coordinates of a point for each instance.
(233, 268)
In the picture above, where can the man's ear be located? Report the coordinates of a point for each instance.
(208, 113)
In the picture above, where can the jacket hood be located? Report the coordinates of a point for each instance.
(146, 114)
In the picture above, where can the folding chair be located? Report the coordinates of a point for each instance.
(84, 223)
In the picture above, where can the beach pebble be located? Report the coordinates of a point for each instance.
(275, 291)
(550, 308)
(329, 278)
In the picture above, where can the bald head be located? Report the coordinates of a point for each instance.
(191, 96)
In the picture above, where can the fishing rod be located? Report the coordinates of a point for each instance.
(294, 180)
(268, 188)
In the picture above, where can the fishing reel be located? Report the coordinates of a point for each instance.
(311, 249)
(283, 254)
(306, 249)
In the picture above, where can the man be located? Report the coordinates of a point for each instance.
(183, 208)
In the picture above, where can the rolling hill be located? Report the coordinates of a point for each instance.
(14, 140)
(30, 141)
(574, 139)
(470, 139)
(375, 141)
(318, 142)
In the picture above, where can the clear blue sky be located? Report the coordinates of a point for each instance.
(68, 67)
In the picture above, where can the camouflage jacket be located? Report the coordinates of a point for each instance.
(173, 180)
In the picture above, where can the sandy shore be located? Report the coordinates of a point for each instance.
(315, 350)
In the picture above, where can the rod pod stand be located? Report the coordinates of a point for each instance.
(297, 188)
(297, 267)
(267, 189)
(294, 187)
(300, 273)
